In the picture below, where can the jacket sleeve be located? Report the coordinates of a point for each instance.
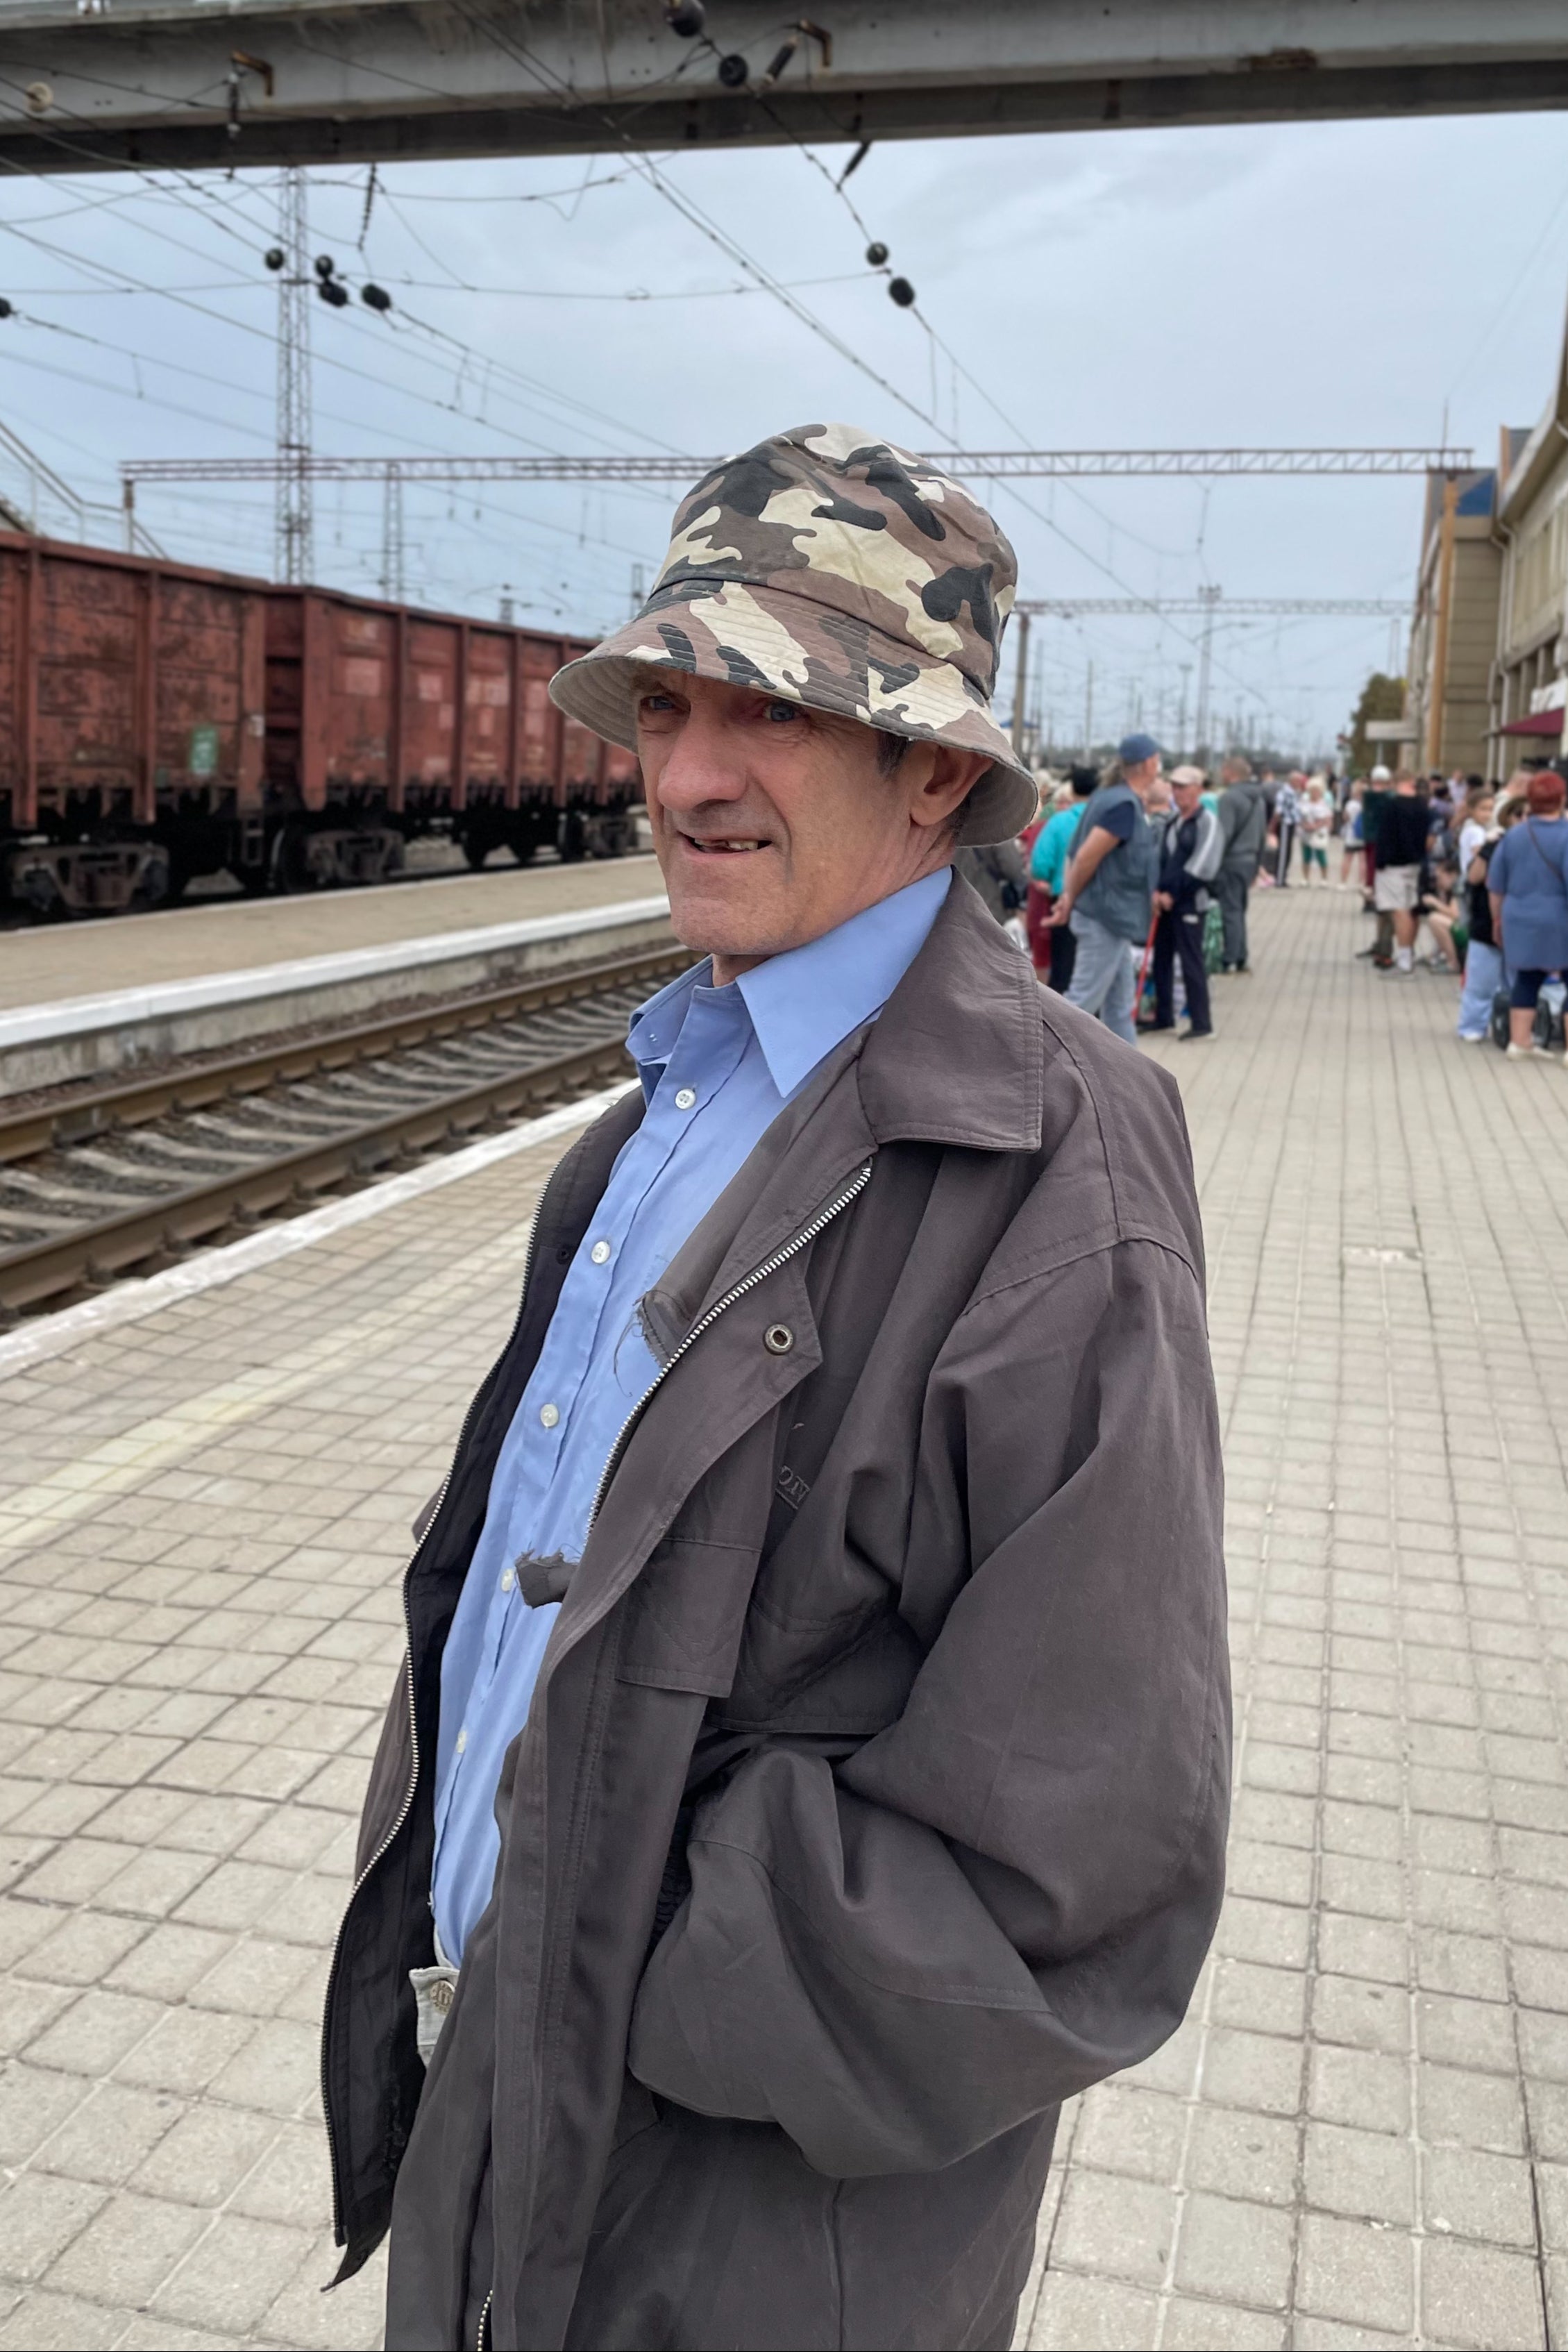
(1207, 850)
(1008, 1894)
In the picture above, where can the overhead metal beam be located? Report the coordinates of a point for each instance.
(166, 83)
(1228, 608)
(970, 465)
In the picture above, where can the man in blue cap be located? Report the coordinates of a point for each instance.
(1108, 897)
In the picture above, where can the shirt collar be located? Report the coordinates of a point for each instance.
(807, 1000)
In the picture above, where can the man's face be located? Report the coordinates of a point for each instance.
(1186, 798)
(1145, 776)
(773, 824)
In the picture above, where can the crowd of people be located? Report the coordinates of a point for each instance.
(1133, 882)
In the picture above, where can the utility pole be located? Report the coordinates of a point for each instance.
(1089, 718)
(637, 591)
(393, 587)
(1020, 684)
(295, 554)
(1210, 598)
(1181, 711)
(507, 608)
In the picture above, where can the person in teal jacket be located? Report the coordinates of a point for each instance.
(1048, 864)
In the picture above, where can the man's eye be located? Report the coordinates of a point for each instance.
(783, 714)
(657, 702)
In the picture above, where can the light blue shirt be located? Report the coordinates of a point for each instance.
(718, 1066)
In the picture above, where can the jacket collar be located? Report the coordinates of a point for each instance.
(957, 1053)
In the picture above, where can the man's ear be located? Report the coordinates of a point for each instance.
(951, 778)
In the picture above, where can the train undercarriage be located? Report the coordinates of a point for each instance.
(68, 870)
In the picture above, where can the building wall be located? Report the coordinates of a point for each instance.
(1537, 567)
(1454, 636)
(1477, 587)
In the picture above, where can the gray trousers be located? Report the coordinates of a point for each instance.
(1231, 886)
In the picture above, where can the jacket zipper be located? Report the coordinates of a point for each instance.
(484, 2328)
(808, 1233)
(407, 1795)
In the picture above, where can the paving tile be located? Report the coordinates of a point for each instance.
(1368, 2175)
(1470, 2194)
(128, 2250)
(1464, 2110)
(1083, 2314)
(235, 2272)
(1115, 2228)
(39, 2217)
(1236, 2252)
(95, 2033)
(33, 2103)
(1126, 2129)
(1479, 2297)
(1241, 2154)
(186, 2050)
(1193, 2326)
(107, 2135)
(1353, 2271)
(207, 2154)
(1354, 2087)
(42, 2322)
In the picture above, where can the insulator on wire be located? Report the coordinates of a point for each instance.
(876, 252)
(686, 17)
(325, 266)
(333, 290)
(6, 309)
(377, 297)
(274, 256)
(733, 70)
(902, 291)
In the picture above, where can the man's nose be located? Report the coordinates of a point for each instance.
(702, 765)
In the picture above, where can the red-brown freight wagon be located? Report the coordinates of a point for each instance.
(157, 721)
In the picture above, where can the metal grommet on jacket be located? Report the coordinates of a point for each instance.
(778, 1339)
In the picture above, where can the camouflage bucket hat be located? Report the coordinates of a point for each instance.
(836, 570)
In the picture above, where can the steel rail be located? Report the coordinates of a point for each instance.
(105, 1246)
(75, 1118)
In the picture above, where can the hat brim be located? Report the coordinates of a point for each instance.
(598, 689)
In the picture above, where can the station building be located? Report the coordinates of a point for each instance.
(1454, 631)
(1530, 673)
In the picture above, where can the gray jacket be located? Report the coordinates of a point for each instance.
(893, 1678)
(1243, 814)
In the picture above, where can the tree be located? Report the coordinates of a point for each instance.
(1381, 697)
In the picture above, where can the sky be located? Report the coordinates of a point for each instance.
(1363, 283)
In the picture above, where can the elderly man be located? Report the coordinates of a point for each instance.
(1190, 852)
(809, 1765)
(1108, 896)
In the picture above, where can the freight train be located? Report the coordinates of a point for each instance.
(159, 722)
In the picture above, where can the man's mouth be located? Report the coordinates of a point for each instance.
(716, 844)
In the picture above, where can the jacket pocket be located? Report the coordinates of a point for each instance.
(684, 1616)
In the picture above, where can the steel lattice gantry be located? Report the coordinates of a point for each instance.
(982, 465)
(167, 83)
(1228, 608)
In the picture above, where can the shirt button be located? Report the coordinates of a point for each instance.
(599, 1253)
(685, 1098)
(549, 1414)
(463, 1739)
(507, 1579)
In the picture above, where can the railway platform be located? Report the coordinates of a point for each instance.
(44, 964)
(1360, 2135)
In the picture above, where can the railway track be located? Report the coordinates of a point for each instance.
(93, 1186)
